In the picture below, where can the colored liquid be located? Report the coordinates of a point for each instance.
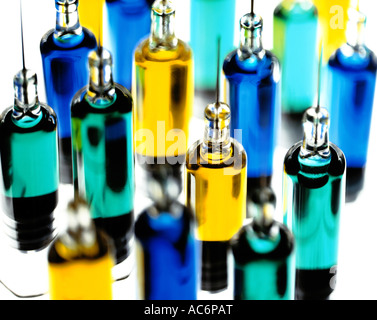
(264, 268)
(133, 17)
(210, 19)
(352, 81)
(167, 238)
(333, 17)
(163, 111)
(295, 44)
(66, 70)
(91, 16)
(313, 197)
(75, 275)
(216, 192)
(30, 178)
(253, 95)
(103, 163)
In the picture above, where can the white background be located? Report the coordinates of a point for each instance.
(357, 268)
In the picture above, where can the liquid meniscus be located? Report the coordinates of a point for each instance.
(216, 192)
(74, 275)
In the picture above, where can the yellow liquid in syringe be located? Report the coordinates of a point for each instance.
(216, 192)
(81, 273)
(163, 93)
(81, 280)
(91, 15)
(333, 17)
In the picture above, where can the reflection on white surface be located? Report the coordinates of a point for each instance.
(357, 278)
